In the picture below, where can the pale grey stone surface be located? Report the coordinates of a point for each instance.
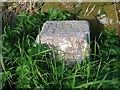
(70, 39)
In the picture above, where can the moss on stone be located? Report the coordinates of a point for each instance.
(80, 10)
(111, 11)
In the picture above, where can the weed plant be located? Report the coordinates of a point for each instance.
(27, 64)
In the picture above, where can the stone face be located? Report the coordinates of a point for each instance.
(70, 39)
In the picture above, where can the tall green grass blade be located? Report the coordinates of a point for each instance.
(96, 82)
(41, 76)
(88, 71)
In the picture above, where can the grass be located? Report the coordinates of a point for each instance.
(27, 64)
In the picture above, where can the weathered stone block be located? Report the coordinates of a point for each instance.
(70, 39)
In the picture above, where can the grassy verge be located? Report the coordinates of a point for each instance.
(27, 64)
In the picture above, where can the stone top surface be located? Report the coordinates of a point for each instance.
(60, 27)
